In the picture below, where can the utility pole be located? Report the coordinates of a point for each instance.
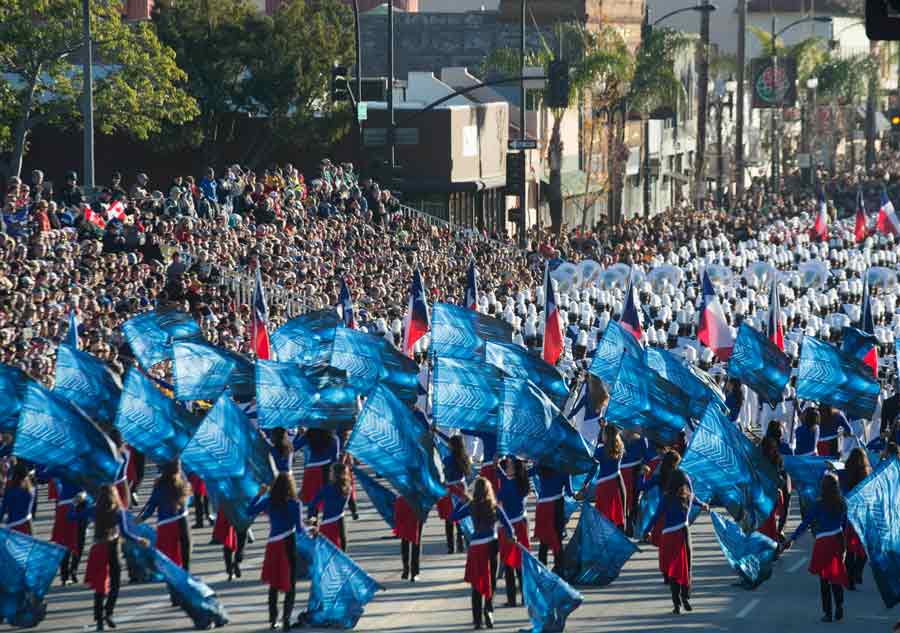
(88, 101)
(359, 124)
(523, 193)
(703, 81)
(772, 131)
(870, 107)
(646, 33)
(739, 123)
(392, 121)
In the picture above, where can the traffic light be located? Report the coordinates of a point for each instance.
(894, 118)
(558, 74)
(340, 86)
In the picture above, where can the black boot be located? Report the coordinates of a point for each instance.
(404, 557)
(288, 611)
(685, 594)
(676, 596)
(489, 613)
(510, 576)
(460, 543)
(838, 602)
(476, 609)
(273, 608)
(448, 532)
(850, 564)
(825, 589)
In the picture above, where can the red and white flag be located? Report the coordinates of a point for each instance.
(887, 217)
(553, 333)
(94, 218)
(260, 311)
(116, 211)
(631, 316)
(820, 228)
(774, 329)
(861, 230)
(714, 331)
(417, 319)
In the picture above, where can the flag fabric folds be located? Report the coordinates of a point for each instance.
(758, 363)
(57, 435)
(750, 555)
(553, 326)
(861, 229)
(13, 384)
(399, 373)
(72, 333)
(194, 596)
(203, 371)
(457, 332)
(526, 415)
(830, 376)
(340, 588)
(563, 449)
(872, 509)
(152, 422)
(470, 301)
(382, 498)
(549, 598)
(613, 345)
(714, 331)
(888, 223)
(260, 325)
(231, 457)
(868, 352)
(862, 346)
(416, 322)
(150, 335)
(466, 395)
(806, 474)
(359, 354)
(388, 438)
(728, 469)
(641, 398)
(774, 328)
(345, 304)
(597, 551)
(288, 395)
(301, 338)
(631, 315)
(820, 228)
(27, 569)
(516, 362)
(86, 381)
(140, 560)
(670, 367)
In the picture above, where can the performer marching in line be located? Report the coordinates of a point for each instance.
(855, 470)
(232, 542)
(283, 448)
(514, 489)
(66, 532)
(18, 500)
(660, 477)
(832, 424)
(201, 500)
(104, 571)
(675, 538)
(457, 467)
(279, 569)
(637, 453)
(774, 524)
(168, 501)
(611, 498)
(408, 529)
(806, 436)
(549, 516)
(324, 450)
(122, 476)
(333, 498)
(481, 558)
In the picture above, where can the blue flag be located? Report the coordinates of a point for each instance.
(288, 395)
(830, 376)
(13, 384)
(466, 395)
(72, 334)
(232, 458)
(359, 354)
(857, 343)
(340, 588)
(399, 373)
(642, 399)
(597, 551)
(382, 498)
(806, 474)
(27, 568)
(750, 555)
(86, 381)
(203, 371)
(676, 372)
(516, 362)
(457, 332)
(872, 509)
(615, 343)
(525, 419)
(306, 339)
(190, 593)
(650, 504)
(400, 449)
(727, 469)
(564, 449)
(140, 560)
(57, 435)
(150, 335)
(758, 363)
(549, 598)
(151, 421)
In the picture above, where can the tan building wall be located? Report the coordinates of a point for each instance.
(624, 15)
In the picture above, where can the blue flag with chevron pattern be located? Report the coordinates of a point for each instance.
(806, 474)
(340, 589)
(727, 469)
(305, 339)
(86, 381)
(857, 343)
(13, 384)
(670, 367)
(615, 343)
(232, 457)
(152, 422)
(564, 449)
(758, 363)
(203, 371)
(642, 399)
(400, 373)
(56, 434)
(288, 395)
(150, 335)
(872, 509)
(466, 395)
(549, 598)
(831, 376)
(194, 596)
(27, 569)
(368, 359)
(382, 498)
(750, 555)
(388, 438)
(457, 332)
(516, 362)
(140, 560)
(597, 551)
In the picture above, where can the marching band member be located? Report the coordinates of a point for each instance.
(549, 516)
(514, 489)
(856, 469)
(333, 498)
(457, 467)
(169, 502)
(806, 436)
(324, 450)
(408, 528)
(18, 500)
(67, 532)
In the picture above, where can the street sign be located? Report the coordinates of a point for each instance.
(362, 111)
(519, 144)
(515, 173)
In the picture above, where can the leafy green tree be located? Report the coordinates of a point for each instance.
(138, 85)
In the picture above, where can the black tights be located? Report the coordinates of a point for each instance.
(410, 554)
(291, 552)
(543, 549)
(104, 605)
(234, 559)
(510, 575)
(480, 604)
(184, 535)
(828, 589)
(680, 594)
(68, 568)
(449, 528)
(855, 565)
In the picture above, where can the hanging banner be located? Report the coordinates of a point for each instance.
(774, 84)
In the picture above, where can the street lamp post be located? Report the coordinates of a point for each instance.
(88, 102)
(721, 101)
(807, 116)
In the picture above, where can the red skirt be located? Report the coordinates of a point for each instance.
(826, 448)
(96, 575)
(445, 504)
(65, 532)
(629, 477)
(224, 533)
(276, 569)
(313, 480)
(124, 497)
(168, 541)
(24, 528)
(478, 568)
(406, 522)
(609, 502)
(52, 493)
(770, 527)
(510, 555)
(198, 486)
(854, 543)
(489, 472)
(656, 532)
(653, 465)
(545, 526)
(673, 557)
(332, 531)
(828, 560)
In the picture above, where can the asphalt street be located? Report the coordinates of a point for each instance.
(439, 602)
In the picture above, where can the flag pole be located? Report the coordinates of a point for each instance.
(546, 319)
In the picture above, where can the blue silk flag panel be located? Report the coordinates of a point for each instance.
(86, 381)
(466, 395)
(758, 363)
(340, 588)
(457, 332)
(830, 376)
(13, 383)
(549, 598)
(288, 395)
(150, 335)
(612, 346)
(751, 556)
